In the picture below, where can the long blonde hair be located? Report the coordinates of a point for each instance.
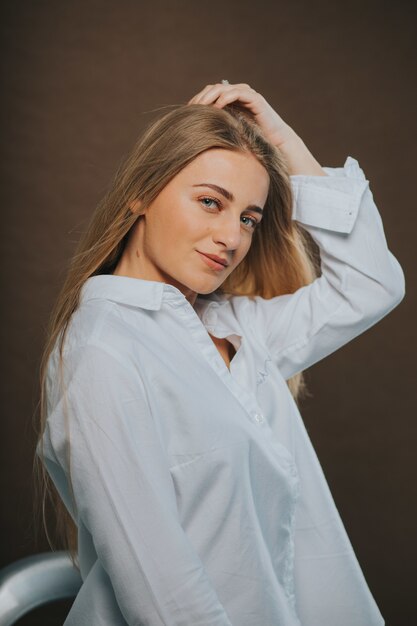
(280, 260)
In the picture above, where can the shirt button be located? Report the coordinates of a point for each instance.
(259, 418)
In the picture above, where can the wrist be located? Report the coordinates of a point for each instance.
(299, 158)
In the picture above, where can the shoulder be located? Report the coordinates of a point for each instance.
(98, 333)
(97, 358)
(91, 322)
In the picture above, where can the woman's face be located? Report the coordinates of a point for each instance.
(190, 219)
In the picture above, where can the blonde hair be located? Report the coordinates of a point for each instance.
(280, 260)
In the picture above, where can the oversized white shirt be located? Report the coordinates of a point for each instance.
(201, 501)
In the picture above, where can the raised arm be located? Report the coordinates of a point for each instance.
(361, 280)
(125, 496)
(274, 128)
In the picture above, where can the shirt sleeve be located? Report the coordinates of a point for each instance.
(361, 281)
(125, 496)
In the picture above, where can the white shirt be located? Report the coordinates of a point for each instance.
(201, 501)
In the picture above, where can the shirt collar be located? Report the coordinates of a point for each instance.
(146, 294)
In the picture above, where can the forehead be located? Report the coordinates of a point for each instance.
(239, 172)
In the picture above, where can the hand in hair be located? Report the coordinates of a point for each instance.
(273, 127)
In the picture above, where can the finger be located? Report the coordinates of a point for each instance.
(211, 92)
(196, 99)
(210, 95)
(248, 98)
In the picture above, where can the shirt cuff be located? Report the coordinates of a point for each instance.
(331, 202)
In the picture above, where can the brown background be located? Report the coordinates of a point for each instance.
(79, 81)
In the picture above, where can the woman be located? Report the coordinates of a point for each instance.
(174, 361)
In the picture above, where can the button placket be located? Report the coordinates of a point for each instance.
(246, 399)
(259, 418)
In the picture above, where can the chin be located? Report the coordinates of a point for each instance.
(205, 285)
(208, 290)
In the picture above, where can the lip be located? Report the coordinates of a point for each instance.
(214, 261)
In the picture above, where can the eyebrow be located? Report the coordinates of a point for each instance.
(229, 196)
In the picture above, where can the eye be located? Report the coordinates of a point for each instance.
(216, 202)
(253, 221)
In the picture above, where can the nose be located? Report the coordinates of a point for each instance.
(228, 232)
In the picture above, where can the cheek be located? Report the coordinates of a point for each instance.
(177, 234)
(246, 246)
(167, 225)
(191, 223)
